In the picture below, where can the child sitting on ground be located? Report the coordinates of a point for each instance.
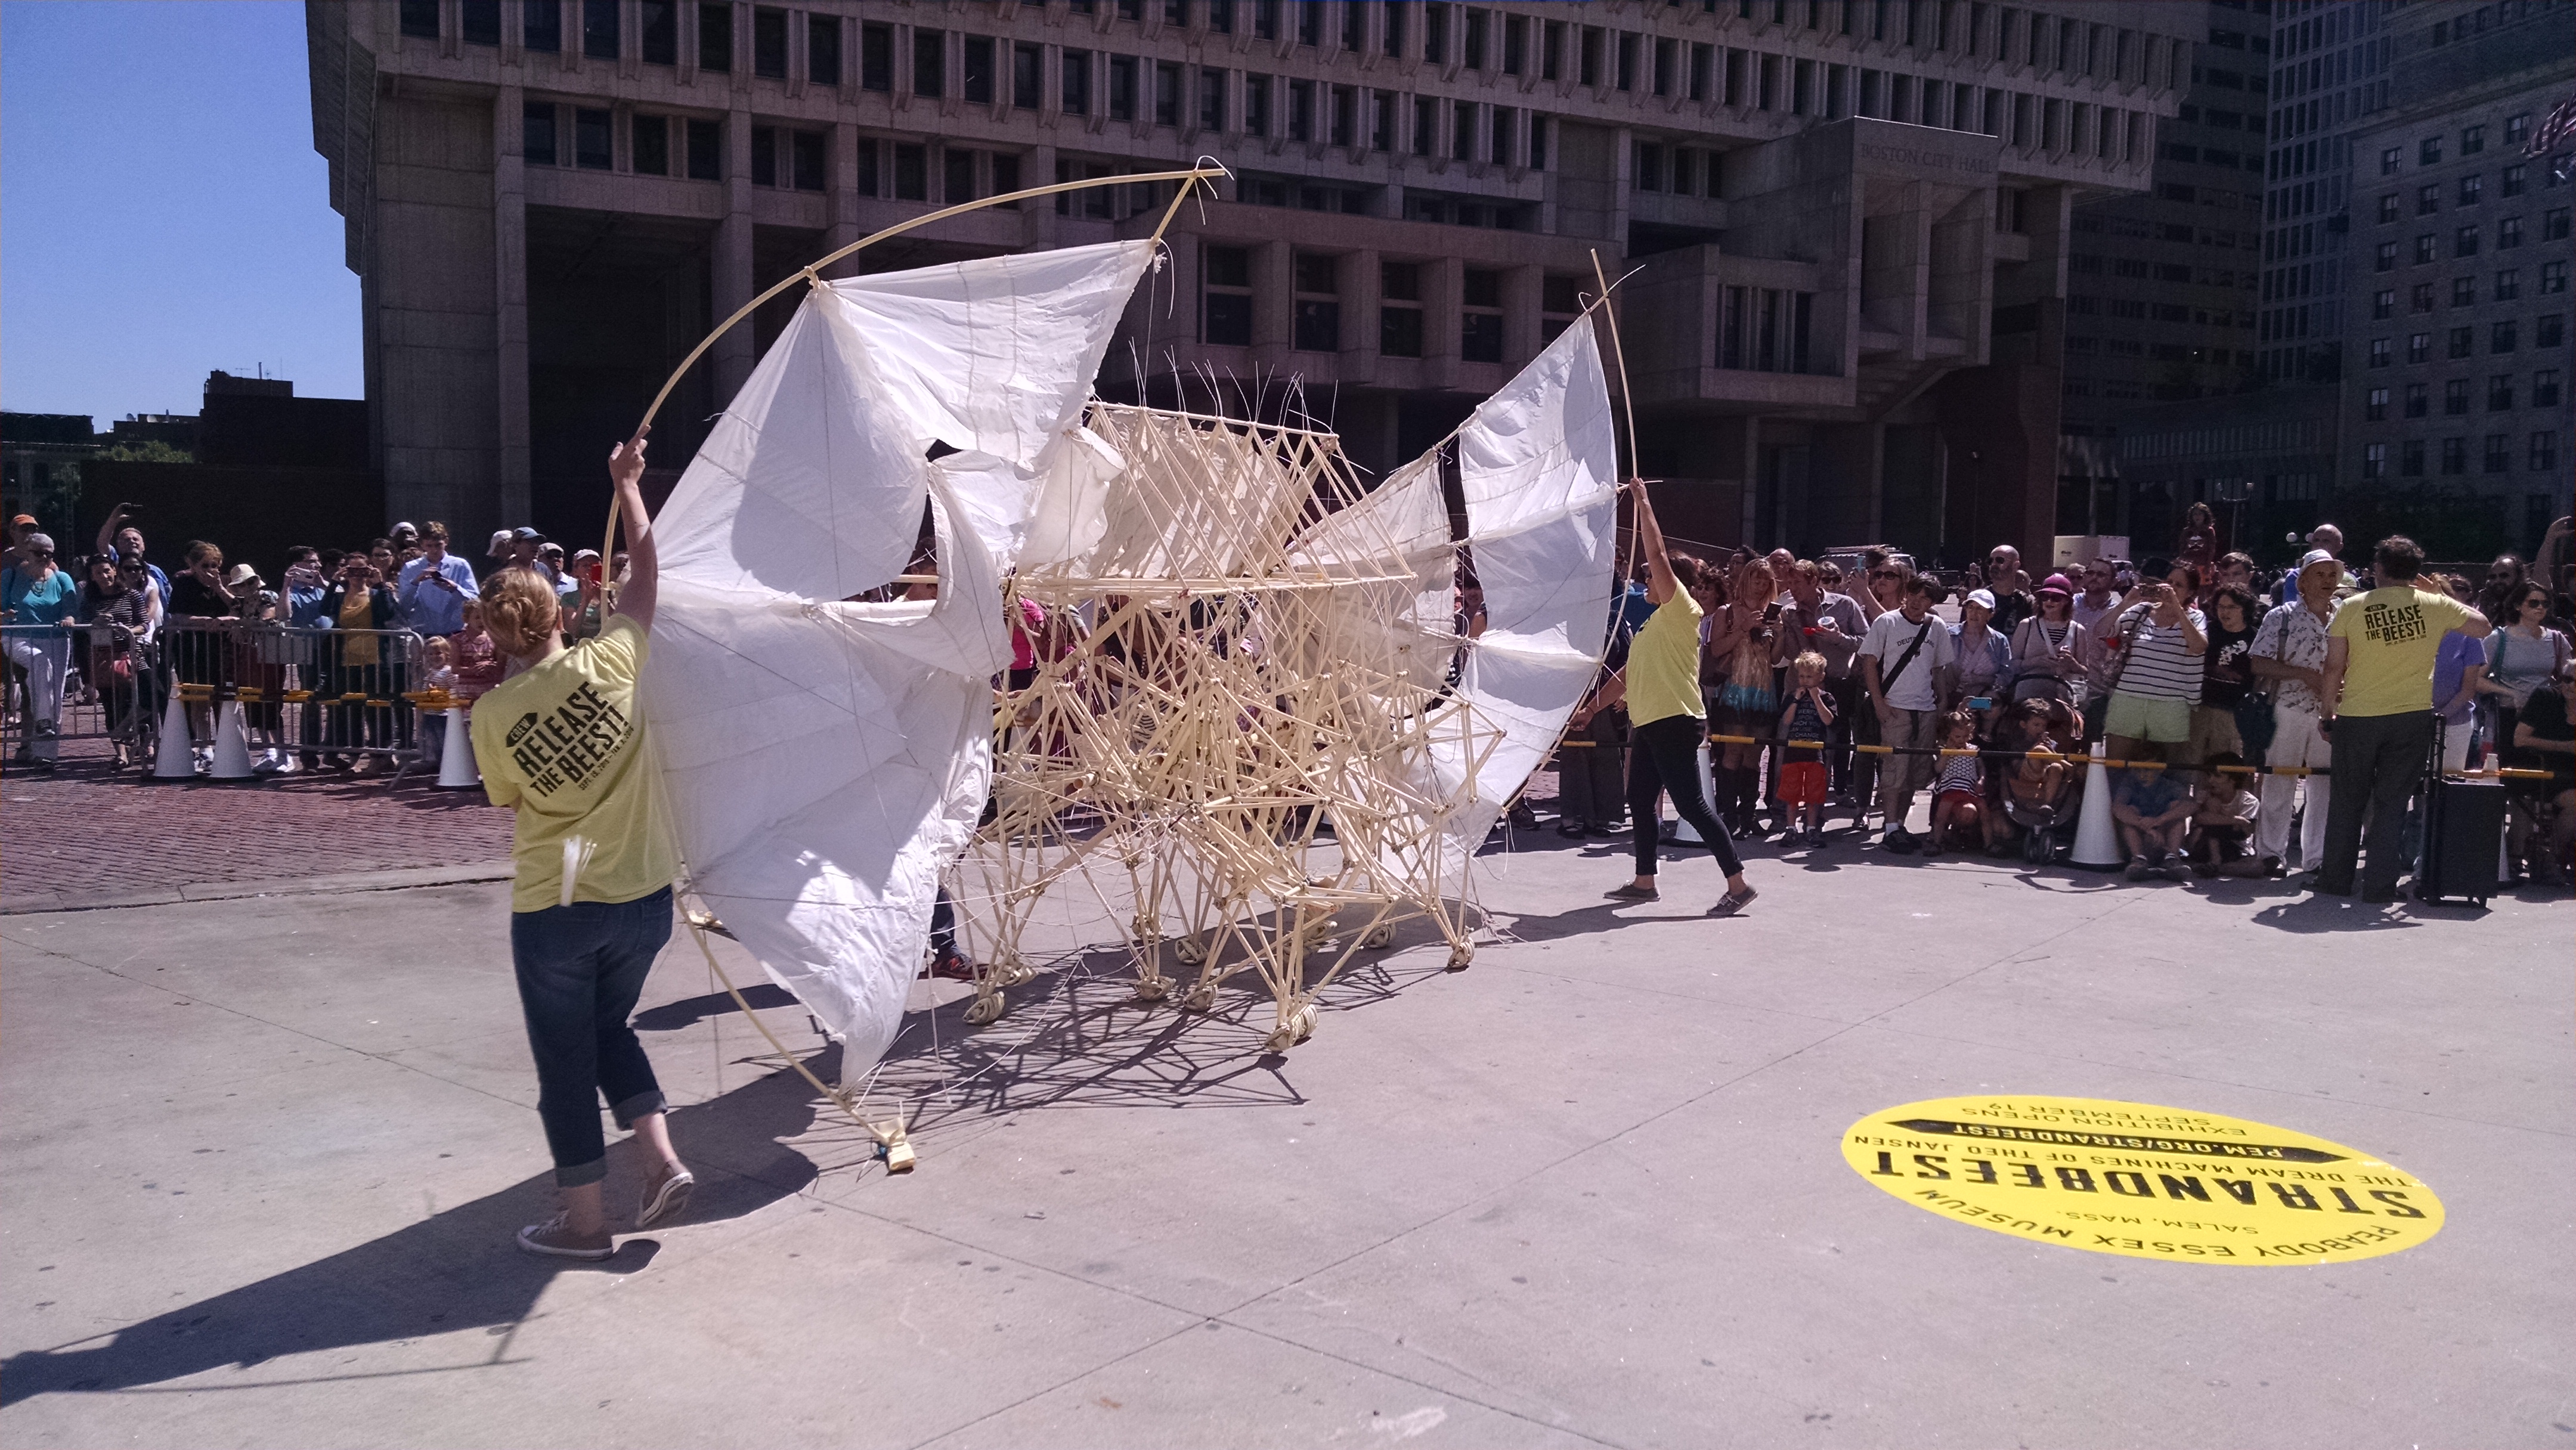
(438, 659)
(1808, 716)
(1958, 788)
(2222, 821)
(2153, 810)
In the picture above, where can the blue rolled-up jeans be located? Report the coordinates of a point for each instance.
(580, 969)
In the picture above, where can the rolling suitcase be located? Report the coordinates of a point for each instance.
(2463, 837)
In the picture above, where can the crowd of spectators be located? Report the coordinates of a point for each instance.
(361, 627)
(2228, 682)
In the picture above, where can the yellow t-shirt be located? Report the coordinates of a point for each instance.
(2391, 636)
(1663, 663)
(562, 742)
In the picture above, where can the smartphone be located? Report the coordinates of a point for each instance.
(1771, 612)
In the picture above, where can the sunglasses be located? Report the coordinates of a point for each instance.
(1885, 574)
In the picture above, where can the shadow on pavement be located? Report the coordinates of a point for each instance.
(455, 1270)
(2311, 915)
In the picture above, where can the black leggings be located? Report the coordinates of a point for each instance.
(1663, 759)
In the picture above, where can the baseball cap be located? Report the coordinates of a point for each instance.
(500, 543)
(2057, 584)
(22, 519)
(1985, 597)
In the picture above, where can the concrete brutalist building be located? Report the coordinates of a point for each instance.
(1847, 220)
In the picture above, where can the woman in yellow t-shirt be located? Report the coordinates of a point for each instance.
(1667, 719)
(562, 741)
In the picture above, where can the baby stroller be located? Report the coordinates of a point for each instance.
(2046, 829)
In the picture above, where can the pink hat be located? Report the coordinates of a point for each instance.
(2057, 584)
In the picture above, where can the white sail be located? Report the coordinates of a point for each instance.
(1538, 465)
(825, 761)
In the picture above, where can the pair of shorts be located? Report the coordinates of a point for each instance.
(1957, 798)
(2143, 717)
(1802, 783)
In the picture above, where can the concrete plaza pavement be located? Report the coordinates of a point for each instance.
(265, 1156)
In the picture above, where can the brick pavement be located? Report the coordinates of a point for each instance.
(89, 830)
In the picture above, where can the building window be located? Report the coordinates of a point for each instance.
(805, 155)
(2509, 232)
(420, 19)
(2544, 388)
(649, 140)
(706, 150)
(1382, 138)
(975, 84)
(599, 29)
(1480, 328)
(2428, 198)
(2455, 456)
(2517, 129)
(764, 156)
(1435, 32)
(1167, 94)
(2424, 249)
(1462, 131)
(1318, 314)
(659, 24)
(1627, 61)
(2553, 227)
(2473, 139)
(930, 64)
(2375, 408)
(2544, 450)
(541, 26)
(2553, 277)
(591, 148)
(2464, 292)
(2463, 341)
(911, 172)
(2499, 453)
(2549, 331)
(1027, 76)
(1122, 88)
(2418, 398)
(1211, 100)
(1560, 302)
(1426, 125)
(823, 49)
(2455, 398)
(1074, 84)
(2508, 284)
(1310, 25)
(1478, 30)
(2419, 346)
(2428, 152)
(715, 36)
(1399, 319)
(769, 43)
(2383, 304)
(2410, 458)
(2504, 338)
(2464, 242)
(876, 57)
(2388, 206)
(957, 175)
(1006, 173)
(2500, 393)
(1220, 14)
(2379, 352)
(2388, 161)
(2419, 298)
(2470, 188)
(1346, 106)
(2374, 460)
(1256, 105)
(1647, 164)
(537, 133)
(2386, 257)
(2515, 178)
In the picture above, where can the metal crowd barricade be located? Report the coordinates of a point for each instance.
(309, 695)
(70, 683)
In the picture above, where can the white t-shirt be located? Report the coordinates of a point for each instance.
(1890, 636)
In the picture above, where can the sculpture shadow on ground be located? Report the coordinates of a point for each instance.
(454, 1270)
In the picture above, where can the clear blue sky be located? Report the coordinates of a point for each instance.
(162, 211)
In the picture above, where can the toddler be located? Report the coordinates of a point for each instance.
(2222, 822)
(1807, 716)
(1958, 794)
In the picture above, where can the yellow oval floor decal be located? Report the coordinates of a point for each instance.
(2141, 1180)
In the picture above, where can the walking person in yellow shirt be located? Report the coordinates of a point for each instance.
(562, 741)
(2376, 706)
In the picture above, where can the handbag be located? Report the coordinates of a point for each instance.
(2255, 725)
(2034, 678)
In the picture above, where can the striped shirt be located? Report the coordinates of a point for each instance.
(2157, 667)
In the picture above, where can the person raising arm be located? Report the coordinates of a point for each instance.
(562, 742)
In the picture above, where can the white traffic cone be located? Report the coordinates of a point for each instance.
(456, 769)
(1707, 797)
(232, 745)
(2097, 836)
(176, 759)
